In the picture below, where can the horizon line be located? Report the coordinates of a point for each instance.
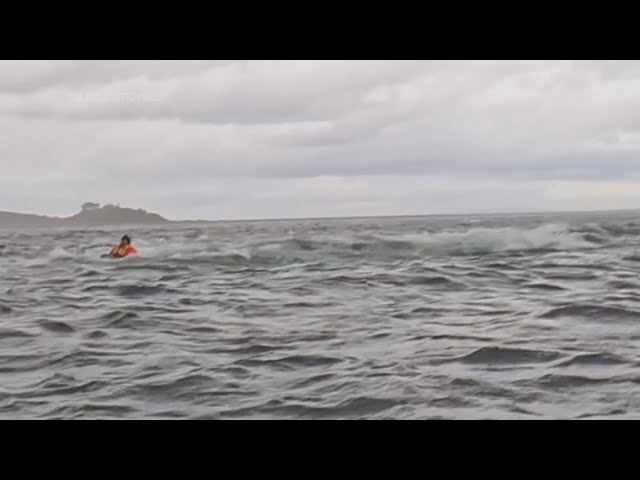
(413, 215)
(353, 217)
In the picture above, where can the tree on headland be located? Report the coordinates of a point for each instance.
(90, 206)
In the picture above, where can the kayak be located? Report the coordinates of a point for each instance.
(106, 255)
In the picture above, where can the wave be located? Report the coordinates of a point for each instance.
(56, 326)
(593, 312)
(504, 355)
(495, 240)
(475, 241)
(560, 381)
(61, 253)
(551, 237)
(595, 359)
(188, 248)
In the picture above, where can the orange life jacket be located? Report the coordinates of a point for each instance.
(123, 251)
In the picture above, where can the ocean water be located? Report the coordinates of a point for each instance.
(485, 317)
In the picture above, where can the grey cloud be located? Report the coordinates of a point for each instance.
(29, 76)
(242, 92)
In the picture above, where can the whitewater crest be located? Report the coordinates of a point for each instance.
(199, 246)
(552, 237)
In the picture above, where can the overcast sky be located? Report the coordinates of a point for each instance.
(253, 139)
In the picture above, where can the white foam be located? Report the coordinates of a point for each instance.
(60, 252)
(501, 239)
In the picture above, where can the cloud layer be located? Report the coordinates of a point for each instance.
(247, 139)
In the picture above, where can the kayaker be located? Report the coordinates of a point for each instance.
(123, 249)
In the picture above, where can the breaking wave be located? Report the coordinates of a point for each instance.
(475, 241)
(299, 248)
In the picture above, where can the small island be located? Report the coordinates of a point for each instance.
(91, 215)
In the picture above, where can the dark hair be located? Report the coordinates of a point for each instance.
(126, 238)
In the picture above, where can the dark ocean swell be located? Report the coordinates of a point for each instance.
(534, 316)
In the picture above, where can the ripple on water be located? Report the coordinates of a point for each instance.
(545, 287)
(357, 407)
(56, 326)
(593, 312)
(136, 291)
(595, 359)
(58, 384)
(203, 329)
(560, 381)
(93, 410)
(321, 378)
(255, 349)
(15, 333)
(185, 388)
(293, 362)
(96, 334)
(120, 318)
(506, 356)
(196, 302)
(618, 285)
(438, 281)
(89, 274)
(96, 288)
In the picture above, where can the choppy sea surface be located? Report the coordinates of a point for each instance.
(485, 317)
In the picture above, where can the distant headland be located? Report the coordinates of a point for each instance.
(91, 214)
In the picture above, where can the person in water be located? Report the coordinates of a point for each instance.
(123, 249)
